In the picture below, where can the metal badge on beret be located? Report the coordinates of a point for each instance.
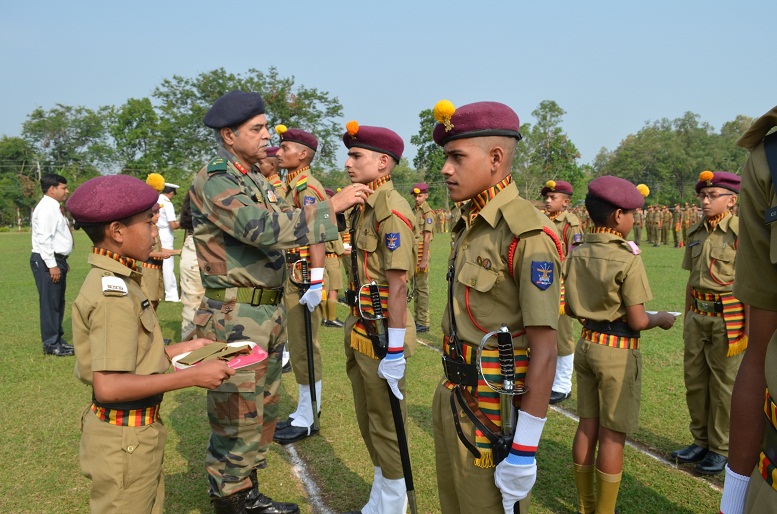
(478, 119)
(722, 179)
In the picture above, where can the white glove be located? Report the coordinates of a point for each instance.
(313, 295)
(392, 366)
(515, 476)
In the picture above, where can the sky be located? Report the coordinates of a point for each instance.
(611, 65)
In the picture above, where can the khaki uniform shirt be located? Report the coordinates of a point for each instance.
(603, 277)
(529, 296)
(114, 326)
(241, 226)
(569, 230)
(386, 242)
(711, 256)
(424, 220)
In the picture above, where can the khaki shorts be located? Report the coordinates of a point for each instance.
(609, 385)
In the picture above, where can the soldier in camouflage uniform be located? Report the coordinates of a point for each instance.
(240, 230)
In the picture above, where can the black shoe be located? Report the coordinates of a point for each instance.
(59, 351)
(286, 368)
(232, 504)
(556, 397)
(166, 341)
(692, 453)
(283, 425)
(713, 464)
(292, 434)
(64, 345)
(333, 323)
(257, 503)
(421, 328)
(341, 299)
(338, 323)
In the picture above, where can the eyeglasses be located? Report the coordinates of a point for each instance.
(712, 196)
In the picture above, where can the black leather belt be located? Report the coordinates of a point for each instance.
(707, 305)
(351, 298)
(143, 403)
(459, 372)
(61, 256)
(615, 328)
(769, 443)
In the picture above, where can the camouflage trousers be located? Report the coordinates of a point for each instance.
(242, 411)
(191, 286)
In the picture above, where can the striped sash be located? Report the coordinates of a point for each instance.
(733, 316)
(127, 417)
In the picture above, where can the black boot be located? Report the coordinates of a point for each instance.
(232, 504)
(257, 503)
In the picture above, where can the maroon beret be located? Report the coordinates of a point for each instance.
(377, 139)
(617, 191)
(329, 192)
(722, 179)
(421, 187)
(234, 108)
(111, 198)
(556, 186)
(297, 136)
(479, 119)
(272, 150)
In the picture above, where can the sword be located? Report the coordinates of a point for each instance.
(396, 408)
(304, 284)
(504, 342)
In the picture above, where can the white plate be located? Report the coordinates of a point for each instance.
(673, 313)
(236, 344)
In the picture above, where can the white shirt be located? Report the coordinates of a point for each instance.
(50, 231)
(166, 215)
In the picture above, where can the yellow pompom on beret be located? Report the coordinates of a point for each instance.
(281, 129)
(443, 112)
(352, 127)
(643, 190)
(550, 184)
(156, 181)
(706, 176)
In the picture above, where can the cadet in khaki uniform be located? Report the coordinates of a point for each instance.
(298, 148)
(504, 268)
(639, 222)
(240, 231)
(384, 252)
(686, 221)
(714, 323)
(119, 350)
(753, 446)
(607, 288)
(333, 278)
(666, 224)
(424, 227)
(677, 222)
(269, 167)
(557, 194)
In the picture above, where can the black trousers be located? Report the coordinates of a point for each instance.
(51, 299)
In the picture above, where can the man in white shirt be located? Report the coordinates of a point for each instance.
(52, 243)
(166, 224)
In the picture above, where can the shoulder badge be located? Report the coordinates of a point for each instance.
(114, 286)
(308, 200)
(577, 238)
(302, 184)
(393, 241)
(542, 274)
(218, 164)
(429, 221)
(271, 196)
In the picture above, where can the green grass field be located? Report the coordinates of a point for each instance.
(42, 404)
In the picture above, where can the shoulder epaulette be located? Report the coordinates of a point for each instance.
(521, 217)
(302, 184)
(217, 165)
(572, 219)
(382, 205)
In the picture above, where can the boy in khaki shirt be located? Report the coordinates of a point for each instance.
(119, 349)
(714, 323)
(607, 290)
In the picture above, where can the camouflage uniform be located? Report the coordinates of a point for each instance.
(240, 228)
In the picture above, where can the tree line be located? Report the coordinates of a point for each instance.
(164, 133)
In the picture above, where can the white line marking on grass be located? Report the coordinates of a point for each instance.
(300, 470)
(630, 443)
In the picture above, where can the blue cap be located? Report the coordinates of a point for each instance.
(234, 108)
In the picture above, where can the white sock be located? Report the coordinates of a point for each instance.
(393, 497)
(734, 489)
(303, 416)
(562, 383)
(377, 483)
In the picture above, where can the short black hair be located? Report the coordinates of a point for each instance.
(51, 179)
(599, 209)
(169, 189)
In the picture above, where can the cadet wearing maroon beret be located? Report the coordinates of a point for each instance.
(296, 153)
(424, 227)
(119, 348)
(723, 179)
(383, 252)
(557, 186)
(420, 188)
(607, 287)
(506, 259)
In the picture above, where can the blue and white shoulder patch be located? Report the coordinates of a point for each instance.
(542, 274)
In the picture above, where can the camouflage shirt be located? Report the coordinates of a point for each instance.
(241, 226)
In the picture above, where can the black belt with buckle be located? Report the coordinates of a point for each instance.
(614, 328)
(142, 403)
(61, 256)
(710, 306)
(459, 372)
(769, 442)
